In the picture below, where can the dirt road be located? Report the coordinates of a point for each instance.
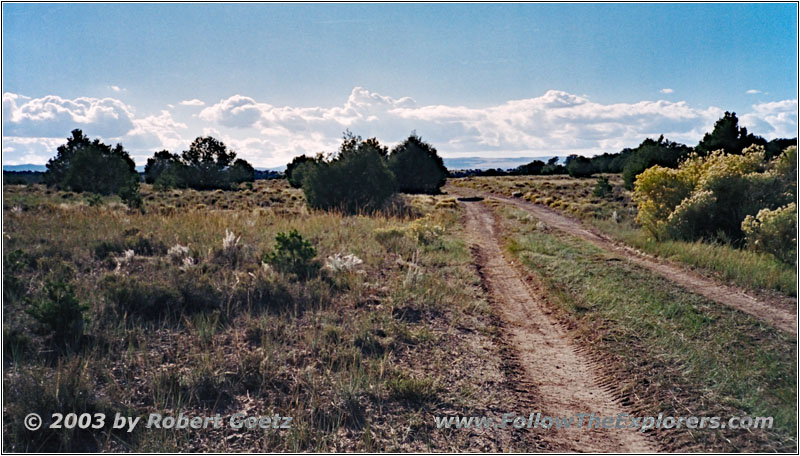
(564, 381)
(780, 312)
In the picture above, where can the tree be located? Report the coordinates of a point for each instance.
(579, 166)
(208, 164)
(207, 160)
(241, 171)
(417, 166)
(651, 152)
(533, 168)
(355, 180)
(161, 162)
(552, 167)
(295, 170)
(728, 136)
(92, 166)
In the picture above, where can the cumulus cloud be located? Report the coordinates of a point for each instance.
(154, 133)
(777, 119)
(193, 102)
(554, 123)
(753, 92)
(116, 88)
(667, 90)
(53, 116)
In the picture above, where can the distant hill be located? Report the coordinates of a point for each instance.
(41, 168)
(490, 162)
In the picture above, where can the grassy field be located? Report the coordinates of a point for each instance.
(575, 197)
(665, 349)
(187, 312)
(180, 322)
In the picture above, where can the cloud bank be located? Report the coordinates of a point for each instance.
(555, 123)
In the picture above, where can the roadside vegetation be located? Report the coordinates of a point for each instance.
(728, 206)
(666, 350)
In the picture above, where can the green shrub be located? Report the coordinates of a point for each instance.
(774, 231)
(602, 187)
(357, 180)
(417, 166)
(59, 313)
(293, 255)
(412, 389)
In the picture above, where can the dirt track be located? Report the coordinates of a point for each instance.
(780, 312)
(564, 382)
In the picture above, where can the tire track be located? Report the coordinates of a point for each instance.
(780, 312)
(564, 381)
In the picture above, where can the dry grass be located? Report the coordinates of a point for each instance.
(361, 359)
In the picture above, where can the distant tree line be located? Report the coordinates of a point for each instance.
(726, 135)
(22, 177)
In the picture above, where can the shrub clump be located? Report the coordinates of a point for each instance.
(293, 255)
(773, 231)
(602, 187)
(708, 197)
(59, 313)
(417, 166)
(355, 180)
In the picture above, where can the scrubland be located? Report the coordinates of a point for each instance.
(183, 314)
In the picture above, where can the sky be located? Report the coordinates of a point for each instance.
(475, 80)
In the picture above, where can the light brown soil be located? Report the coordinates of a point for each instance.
(778, 311)
(564, 381)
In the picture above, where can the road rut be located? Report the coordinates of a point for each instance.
(780, 312)
(564, 382)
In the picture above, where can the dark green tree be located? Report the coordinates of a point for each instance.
(417, 167)
(162, 162)
(241, 171)
(356, 180)
(83, 165)
(207, 161)
(295, 170)
(579, 166)
(728, 136)
(533, 168)
(652, 152)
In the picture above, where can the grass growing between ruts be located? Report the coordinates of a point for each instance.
(669, 350)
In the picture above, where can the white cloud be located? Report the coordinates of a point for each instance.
(193, 102)
(554, 123)
(53, 116)
(753, 92)
(154, 133)
(777, 119)
(116, 88)
(667, 90)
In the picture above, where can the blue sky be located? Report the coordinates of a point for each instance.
(498, 80)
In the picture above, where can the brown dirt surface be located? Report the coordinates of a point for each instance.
(778, 311)
(564, 380)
